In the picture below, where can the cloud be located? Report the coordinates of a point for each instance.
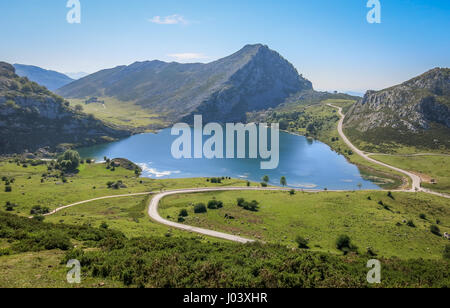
(169, 20)
(187, 56)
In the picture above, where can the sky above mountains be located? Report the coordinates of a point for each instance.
(330, 42)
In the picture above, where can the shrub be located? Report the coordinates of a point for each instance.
(344, 244)
(104, 225)
(181, 219)
(302, 242)
(263, 184)
(411, 224)
(184, 213)
(214, 204)
(251, 206)
(435, 230)
(423, 216)
(292, 192)
(240, 202)
(390, 195)
(200, 208)
(38, 210)
(8, 188)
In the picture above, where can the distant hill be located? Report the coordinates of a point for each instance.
(50, 79)
(414, 113)
(32, 117)
(77, 75)
(253, 78)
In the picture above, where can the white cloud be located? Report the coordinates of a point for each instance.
(187, 56)
(169, 20)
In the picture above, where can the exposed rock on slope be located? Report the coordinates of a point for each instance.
(416, 112)
(254, 78)
(31, 117)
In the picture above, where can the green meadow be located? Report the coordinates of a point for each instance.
(322, 217)
(433, 169)
(31, 187)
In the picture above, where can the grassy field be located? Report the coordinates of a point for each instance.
(429, 168)
(90, 182)
(43, 270)
(128, 214)
(120, 113)
(322, 217)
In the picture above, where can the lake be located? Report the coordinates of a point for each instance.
(305, 163)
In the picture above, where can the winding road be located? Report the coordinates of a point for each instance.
(416, 180)
(155, 201)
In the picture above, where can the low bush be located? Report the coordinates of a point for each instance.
(435, 230)
(200, 208)
(183, 213)
(302, 242)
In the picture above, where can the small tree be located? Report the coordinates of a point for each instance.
(283, 181)
(266, 179)
(292, 192)
(70, 160)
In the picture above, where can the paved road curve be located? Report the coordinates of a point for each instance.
(416, 180)
(154, 203)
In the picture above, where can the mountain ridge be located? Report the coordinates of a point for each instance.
(417, 108)
(52, 80)
(253, 78)
(32, 117)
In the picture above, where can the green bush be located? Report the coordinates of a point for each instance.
(214, 204)
(38, 210)
(183, 213)
(8, 188)
(435, 230)
(411, 224)
(200, 208)
(302, 242)
(344, 244)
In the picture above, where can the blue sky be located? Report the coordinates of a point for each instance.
(328, 41)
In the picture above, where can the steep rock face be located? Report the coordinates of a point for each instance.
(253, 78)
(32, 117)
(410, 107)
(415, 113)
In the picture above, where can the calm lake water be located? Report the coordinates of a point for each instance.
(306, 164)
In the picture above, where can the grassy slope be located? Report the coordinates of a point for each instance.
(126, 114)
(322, 217)
(42, 269)
(28, 191)
(428, 167)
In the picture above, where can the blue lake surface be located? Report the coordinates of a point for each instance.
(305, 163)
